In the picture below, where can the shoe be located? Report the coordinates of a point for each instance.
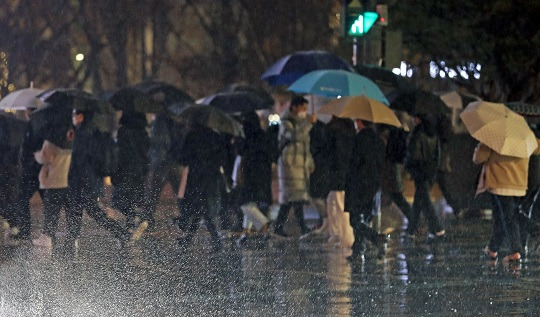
(138, 233)
(490, 255)
(44, 241)
(514, 257)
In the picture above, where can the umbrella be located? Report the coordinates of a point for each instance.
(240, 87)
(499, 128)
(336, 83)
(22, 99)
(208, 116)
(12, 130)
(455, 100)
(384, 78)
(361, 107)
(291, 67)
(417, 101)
(151, 96)
(240, 101)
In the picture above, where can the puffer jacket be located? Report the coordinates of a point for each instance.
(295, 162)
(55, 166)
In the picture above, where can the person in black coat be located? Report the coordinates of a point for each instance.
(166, 139)
(83, 180)
(204, 154)
(28, 182)
(129, 179)
(362, 184)
(422, 162)
(255, 187)
(319, 185)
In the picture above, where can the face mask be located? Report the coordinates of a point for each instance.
(302, 114)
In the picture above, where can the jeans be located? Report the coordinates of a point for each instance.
(422, 204)
(54, 200)
(284, 213)
(505, 223)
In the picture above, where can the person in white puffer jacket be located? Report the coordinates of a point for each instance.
(53, 179)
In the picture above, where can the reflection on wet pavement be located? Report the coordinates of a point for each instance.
(268, 278)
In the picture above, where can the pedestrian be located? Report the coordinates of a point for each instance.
(55, 159)
(422, 162)
(319, 184)
(295, 164)
(396, 149)
(505, 179)
(255, 184)
(28, 183)
(166, 139)
(83, 180)
(129, 179)
(363, 181)
(341, 134)
(204, 153)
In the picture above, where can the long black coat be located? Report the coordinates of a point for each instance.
(166, 140)
(82, 177)
(204, 152)
(319, 184)
(256, 152)
(364, 177)
(341, 146)
(133, 144)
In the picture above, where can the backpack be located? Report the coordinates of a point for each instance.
(425, 156)
(106, 158)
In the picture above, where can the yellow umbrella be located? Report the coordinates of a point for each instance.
(499, 128)
(361, 107)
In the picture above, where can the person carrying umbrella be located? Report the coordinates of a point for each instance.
(83, 180)
(422, 161)
(129, 178)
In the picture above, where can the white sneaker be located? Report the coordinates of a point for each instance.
(44, 241)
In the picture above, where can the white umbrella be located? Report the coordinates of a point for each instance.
(22, 99)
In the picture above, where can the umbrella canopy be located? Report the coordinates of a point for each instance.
(384, 78)
(22, 99)
(240, 101)
(12, 130)
(60, 104)
(456, 100)
(148, 97)
(361, 107)
(291, 67)
(208, 116)
(499, 128)
(336, 83)
(417, 101)
(241, 87)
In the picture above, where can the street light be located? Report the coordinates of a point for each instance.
(79, 57)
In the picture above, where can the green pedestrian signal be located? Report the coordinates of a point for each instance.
(359, 24)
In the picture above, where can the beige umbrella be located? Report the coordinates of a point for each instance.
(499, 128)
(361, 107)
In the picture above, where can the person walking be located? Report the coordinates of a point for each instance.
(129, 178)
(422, 162)
(204, 154)
(55, 158)
(254, 186)
(363, 181)
(505, 179)
(28, 183)
(294, 165)
(83, 183)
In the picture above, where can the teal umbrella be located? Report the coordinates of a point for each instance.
(337, 83)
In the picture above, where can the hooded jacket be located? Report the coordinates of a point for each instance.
(55, 166)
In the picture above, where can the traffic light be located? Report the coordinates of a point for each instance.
(358, 22)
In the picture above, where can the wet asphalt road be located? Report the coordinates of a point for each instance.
(291, 277)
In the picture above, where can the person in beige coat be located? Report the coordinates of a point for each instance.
(505, 179)
(53, 179)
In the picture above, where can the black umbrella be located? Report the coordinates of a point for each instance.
(242, 87)
(12, 130)
(417, 101)
(207, 116)
(151, 96)
(240, 101)
(384, 78)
